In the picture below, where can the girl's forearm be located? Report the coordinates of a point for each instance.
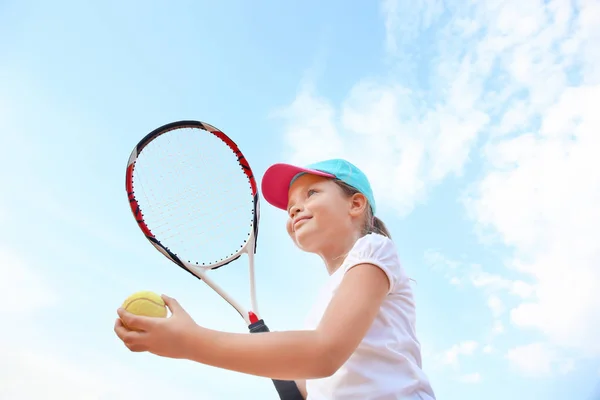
(277, 355)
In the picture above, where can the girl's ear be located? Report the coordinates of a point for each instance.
(358, 204)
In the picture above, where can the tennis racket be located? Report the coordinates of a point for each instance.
(194, 196)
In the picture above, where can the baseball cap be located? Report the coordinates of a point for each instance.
(278, 178)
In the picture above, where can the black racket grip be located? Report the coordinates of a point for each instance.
(287, 390)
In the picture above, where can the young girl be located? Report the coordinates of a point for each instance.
(360, 342)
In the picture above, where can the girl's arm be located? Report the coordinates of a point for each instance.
(306, 354)
(294, 355)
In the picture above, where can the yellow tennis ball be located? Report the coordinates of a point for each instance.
(146, 303)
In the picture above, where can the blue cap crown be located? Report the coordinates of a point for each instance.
(347, 173)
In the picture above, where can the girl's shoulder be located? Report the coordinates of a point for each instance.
(380, 251)
(375, 245)
(373, 237)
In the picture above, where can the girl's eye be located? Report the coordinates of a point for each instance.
(311, 192)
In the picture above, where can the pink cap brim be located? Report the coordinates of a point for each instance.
(276, 182)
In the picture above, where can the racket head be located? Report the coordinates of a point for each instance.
(194, 196)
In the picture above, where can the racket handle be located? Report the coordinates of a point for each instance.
(288, 390)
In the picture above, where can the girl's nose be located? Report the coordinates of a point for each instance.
(294, 211)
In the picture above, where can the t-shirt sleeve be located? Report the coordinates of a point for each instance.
(377, 250)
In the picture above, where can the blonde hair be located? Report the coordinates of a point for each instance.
(372, 223)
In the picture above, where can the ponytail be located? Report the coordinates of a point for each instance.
(377, 226)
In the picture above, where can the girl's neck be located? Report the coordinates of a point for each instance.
(335, 252)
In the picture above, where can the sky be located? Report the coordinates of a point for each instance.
(475, 121)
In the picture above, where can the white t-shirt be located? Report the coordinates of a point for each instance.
(387, 363)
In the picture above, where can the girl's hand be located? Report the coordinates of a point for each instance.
(167, 337)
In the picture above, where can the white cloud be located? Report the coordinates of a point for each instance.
(498, 328)
(539, 360)
(496, 305)
(542, 199)
(413, 147)
(455, 281)
(521, 289)
(317, 127)
(452, 355)
(460, 273)
(567, 366)
(542, 189)
(494, 283)
(533, 360)
(403, 19)
(474, 377)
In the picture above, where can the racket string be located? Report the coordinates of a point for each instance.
(169, 210)
(194, 196)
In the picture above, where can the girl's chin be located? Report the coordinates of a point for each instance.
(308, 240)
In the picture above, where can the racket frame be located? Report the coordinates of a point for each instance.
(201, 271)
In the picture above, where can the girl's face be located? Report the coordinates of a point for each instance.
(319, 213)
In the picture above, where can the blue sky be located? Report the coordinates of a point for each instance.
(474, 120)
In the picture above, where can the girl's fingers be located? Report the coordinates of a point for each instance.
(135, 322)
